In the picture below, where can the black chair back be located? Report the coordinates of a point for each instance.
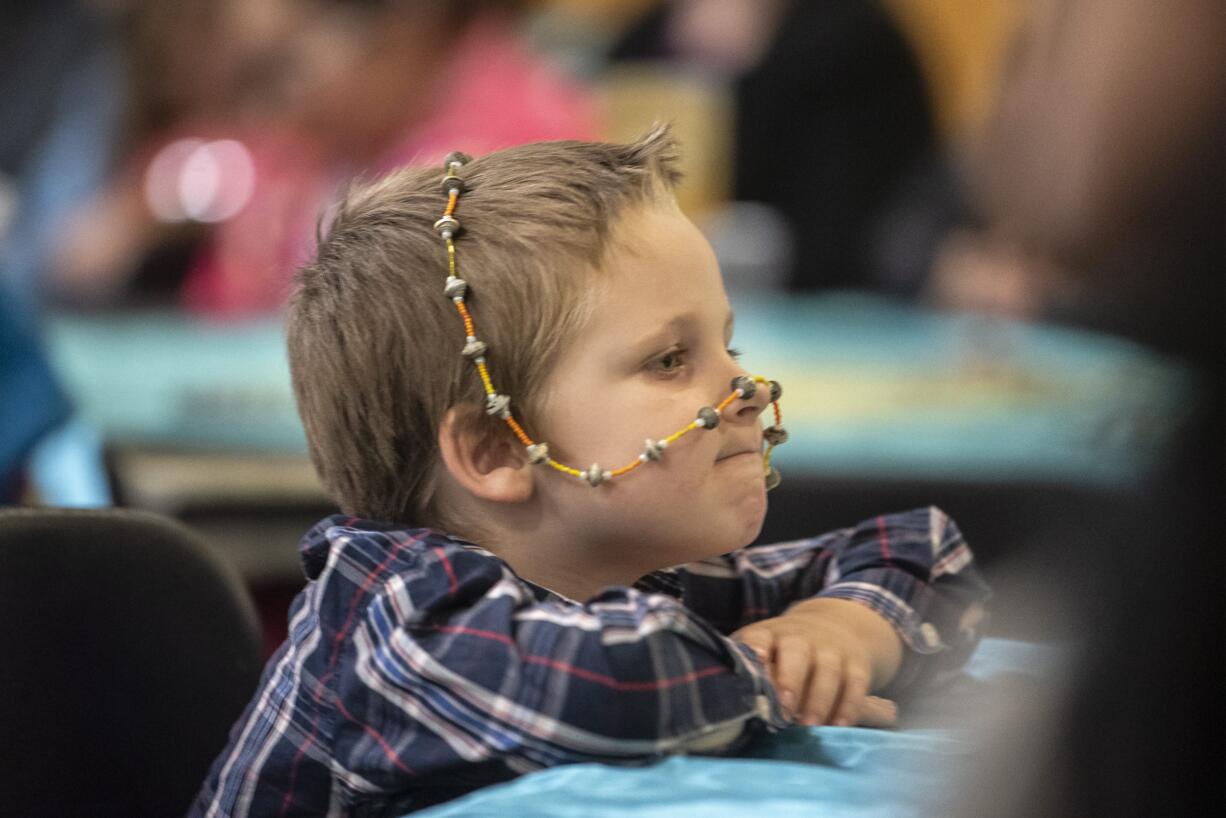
(127, 651)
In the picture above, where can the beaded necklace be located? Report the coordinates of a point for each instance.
(499, 405)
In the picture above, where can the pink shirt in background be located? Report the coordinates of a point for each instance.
(499, 94)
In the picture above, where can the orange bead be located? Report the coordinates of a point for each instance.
(519, 432)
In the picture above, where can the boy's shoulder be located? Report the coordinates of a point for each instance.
(340, 537)
(360, 559)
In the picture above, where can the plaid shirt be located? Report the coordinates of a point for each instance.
(419, 667)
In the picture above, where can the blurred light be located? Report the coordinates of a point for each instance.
(162, 179)
(216, 181)
(198, 180)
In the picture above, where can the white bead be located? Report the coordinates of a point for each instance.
(499, 405)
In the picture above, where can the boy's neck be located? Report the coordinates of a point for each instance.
(564, 570)
(575, 585)
(555, 562)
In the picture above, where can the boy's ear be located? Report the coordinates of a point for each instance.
(484, 459)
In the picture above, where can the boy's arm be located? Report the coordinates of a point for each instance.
(461, 664)
(908, 575)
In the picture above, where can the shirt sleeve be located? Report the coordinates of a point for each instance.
(913, 568)
(457, 663)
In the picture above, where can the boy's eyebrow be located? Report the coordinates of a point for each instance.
(674, 325)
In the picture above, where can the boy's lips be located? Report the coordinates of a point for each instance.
(740, 451)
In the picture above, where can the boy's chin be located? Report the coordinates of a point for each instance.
(754, 530)
(747, 526)
(756, 512)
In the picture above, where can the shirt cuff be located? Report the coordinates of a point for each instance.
(766, 706)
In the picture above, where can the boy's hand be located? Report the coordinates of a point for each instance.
(824, 655)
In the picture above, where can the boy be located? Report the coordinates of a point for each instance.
(544, 626)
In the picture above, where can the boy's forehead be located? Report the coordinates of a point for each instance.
(662, 276)
(649, 229)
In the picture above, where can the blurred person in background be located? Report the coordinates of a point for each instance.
(32, 403)
(249, 115)
(1105, 157)
(60, 107)
(831, 116)
(59, 76)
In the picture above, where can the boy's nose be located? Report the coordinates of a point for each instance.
(748, 408)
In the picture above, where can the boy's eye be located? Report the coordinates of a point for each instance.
(675, 360)
(669, 362)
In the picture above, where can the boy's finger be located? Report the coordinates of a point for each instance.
(823, 687)
(851, 701)
(878, 712)
(792, 664)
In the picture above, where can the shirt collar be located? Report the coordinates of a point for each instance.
(664, 581)
(316, 543)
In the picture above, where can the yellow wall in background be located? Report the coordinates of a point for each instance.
(635, 96)
(962, 46)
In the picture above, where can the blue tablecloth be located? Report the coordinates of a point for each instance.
(821, 772)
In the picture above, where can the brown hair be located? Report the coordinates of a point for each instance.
(374, 344)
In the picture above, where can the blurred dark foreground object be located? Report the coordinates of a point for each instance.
(1105, 152)
(129, 649)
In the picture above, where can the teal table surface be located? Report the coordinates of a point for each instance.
(870, 387)
(801, 772)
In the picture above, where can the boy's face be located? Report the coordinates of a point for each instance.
(654, 352)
